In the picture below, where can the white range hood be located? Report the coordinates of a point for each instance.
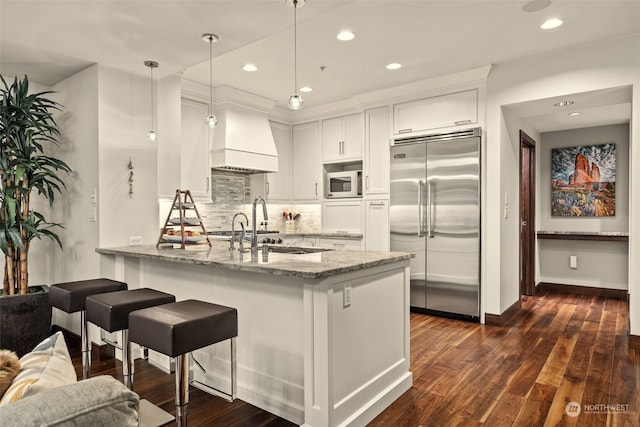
(242, 140)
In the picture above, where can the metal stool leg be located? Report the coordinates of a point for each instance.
(234, 371)
(127, 360)
(85, 345)
(182, 389)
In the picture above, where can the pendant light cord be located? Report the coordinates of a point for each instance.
(295, 47)
(210, 74)
(153, 127)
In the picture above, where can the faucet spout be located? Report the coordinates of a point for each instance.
(254, 231)
(233, 230)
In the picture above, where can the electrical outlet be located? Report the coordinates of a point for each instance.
(573, 262)
(346, 300)
(135, 240)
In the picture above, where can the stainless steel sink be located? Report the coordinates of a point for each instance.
(296, 250)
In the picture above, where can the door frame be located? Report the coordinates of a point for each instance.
(527, 191)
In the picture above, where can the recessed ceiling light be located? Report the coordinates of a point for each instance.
(305, 89)
(564, 103)
(551, 23)
(249, 67)
(346, 35)
(536, 5)
(393, 66)
(575, 113)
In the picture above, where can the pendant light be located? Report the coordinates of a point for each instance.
(211, 119)
(151, 134)
(295, 100)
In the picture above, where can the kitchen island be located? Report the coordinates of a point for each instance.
(323, 336)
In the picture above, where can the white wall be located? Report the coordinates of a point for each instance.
(104, 122)
(598, 66)
(124, 119)
(79, 126)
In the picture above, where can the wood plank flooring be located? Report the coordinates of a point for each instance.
(559, 349)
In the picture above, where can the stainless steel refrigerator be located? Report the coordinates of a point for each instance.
(435, 213)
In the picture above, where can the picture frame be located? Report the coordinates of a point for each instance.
(583, 181)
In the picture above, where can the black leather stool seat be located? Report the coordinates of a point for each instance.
(181, 327)
(110, 311)
(70, 296)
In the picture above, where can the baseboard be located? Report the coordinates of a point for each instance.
(98, 352)
(634, 342)
(505, 318)
(619, 294)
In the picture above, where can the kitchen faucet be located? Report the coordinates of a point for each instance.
(254, 231)
(233, 231)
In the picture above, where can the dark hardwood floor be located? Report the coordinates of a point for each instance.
(559, 349)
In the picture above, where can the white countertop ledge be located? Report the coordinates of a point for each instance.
(311, 265)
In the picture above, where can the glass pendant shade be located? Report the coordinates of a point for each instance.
(152, 135)
(295, 101)
(211, 120)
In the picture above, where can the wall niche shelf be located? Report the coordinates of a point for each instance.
(604, 236)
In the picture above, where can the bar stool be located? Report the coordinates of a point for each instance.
(110, 311)
(70, 297)
(179, 328)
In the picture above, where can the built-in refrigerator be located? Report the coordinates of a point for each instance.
(435, 213)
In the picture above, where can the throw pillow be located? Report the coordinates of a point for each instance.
(47, 366)
(9, 368)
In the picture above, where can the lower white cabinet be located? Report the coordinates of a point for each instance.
(334, 243)
(343, 216)
(377, 225)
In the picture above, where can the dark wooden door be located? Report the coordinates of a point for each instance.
(527, 213)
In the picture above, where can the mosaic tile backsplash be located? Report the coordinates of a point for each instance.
(230, 193)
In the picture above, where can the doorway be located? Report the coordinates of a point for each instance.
(527, 213)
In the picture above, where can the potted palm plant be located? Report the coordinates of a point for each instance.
(27, 127)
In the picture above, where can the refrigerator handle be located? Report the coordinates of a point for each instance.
(420, 208)
(430, 185)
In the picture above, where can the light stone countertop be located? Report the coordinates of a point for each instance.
(313, 265)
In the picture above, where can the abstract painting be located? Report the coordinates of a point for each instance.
(583, 180)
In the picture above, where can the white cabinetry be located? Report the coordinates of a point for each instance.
(335, 243)
(343, 138)
(195, 172)
(377, 225)
(276, 186)
(343, 216)
(376, 153)
(455, 109)
(305, 162)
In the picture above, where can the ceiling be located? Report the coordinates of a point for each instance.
(429, 37)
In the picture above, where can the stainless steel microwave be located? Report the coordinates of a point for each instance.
(343, 184)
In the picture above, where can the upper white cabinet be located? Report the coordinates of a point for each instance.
(305, 165)
(376, 152)
(276, 186)
(195, 171)
(343, 138)
(455, 109)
